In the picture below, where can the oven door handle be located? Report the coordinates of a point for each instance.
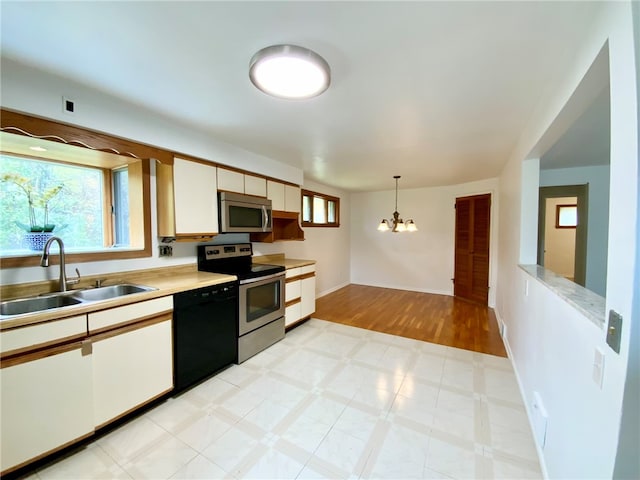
(260, 279)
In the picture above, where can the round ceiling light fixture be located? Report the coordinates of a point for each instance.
(289, 71)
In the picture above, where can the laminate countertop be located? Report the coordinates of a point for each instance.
(279, 259)
(166, 281)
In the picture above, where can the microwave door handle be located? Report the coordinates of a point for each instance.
(265, 218)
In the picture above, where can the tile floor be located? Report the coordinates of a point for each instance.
(329, 401)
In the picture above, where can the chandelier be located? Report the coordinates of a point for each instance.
(396, 224)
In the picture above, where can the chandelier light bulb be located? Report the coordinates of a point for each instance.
(396, 224)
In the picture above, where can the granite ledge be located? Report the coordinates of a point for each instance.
(590, 304)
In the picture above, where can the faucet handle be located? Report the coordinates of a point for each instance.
(73, 281)
(98, 282)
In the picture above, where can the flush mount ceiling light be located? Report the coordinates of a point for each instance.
(289, 71)
(396, 224)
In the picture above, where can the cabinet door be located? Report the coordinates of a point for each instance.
(275, 192)
(292, 314)
(255, 186)
(196, 201)
(292, 198)
(230, 181)
(46, 403)
(130, 369)
(308, 295)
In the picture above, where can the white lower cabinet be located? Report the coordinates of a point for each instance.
(65, 378)
(133, 363)
(129, 369)
(308, 296)
(47, 403)
(300, 293)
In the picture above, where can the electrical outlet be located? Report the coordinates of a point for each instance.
(165, 250)
(526, 288)
(598, 367)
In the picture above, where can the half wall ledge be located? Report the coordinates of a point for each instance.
(590, 304)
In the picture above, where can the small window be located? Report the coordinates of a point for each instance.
(566, 216)
(320, 210)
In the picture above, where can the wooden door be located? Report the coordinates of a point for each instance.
(471, 271)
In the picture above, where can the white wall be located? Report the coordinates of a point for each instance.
(421, 261)
(551, 345)
(597, 229)
(38, 93)
(328, 246)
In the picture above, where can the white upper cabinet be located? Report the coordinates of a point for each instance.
(255, 186)
(292, 198)
(275, 192)
(187, 199)
(230, 181)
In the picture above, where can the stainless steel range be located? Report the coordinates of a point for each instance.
(261, 295)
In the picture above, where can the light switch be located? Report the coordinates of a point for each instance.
(614, 330)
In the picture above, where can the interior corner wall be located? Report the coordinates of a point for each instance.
(552, 345)
(328, 246)
(421, 261)
(598, 225)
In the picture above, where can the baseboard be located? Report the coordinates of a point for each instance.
(448, 293)
(331, 290)
(505, 340)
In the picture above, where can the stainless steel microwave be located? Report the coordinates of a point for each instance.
(244, 213)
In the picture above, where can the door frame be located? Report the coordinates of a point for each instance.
(581, 192)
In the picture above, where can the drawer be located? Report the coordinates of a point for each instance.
(307, 269)
(293, 272)
(292, 290)
(107, 319)
(43, 333)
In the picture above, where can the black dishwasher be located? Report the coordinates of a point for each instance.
(205, 332)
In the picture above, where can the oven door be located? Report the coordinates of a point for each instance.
(261, 301)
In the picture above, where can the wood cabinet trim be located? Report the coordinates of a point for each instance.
(32, 356)
(129, 325)
(45, 454)
(300, 277)
(42, 346)
(133, 409)
(293, 302)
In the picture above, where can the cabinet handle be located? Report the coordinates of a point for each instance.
(87, 347)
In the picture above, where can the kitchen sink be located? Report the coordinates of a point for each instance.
(64, 299)
(36, 304)
(112, 291)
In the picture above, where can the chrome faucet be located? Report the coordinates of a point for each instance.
(44, 262)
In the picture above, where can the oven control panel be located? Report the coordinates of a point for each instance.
(216, 252)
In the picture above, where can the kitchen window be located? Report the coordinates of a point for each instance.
(102, 211)
(88, 207)
(320, 210)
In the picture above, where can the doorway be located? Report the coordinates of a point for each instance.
(471, 264)
(553, 241)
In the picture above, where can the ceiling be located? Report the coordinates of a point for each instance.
(438, 92)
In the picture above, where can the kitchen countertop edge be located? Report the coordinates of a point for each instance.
(165, 286)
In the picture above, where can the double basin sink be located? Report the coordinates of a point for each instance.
(64, 299)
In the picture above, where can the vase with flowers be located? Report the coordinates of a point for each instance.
(37, 233)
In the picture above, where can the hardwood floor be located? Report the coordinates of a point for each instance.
(433, 318)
